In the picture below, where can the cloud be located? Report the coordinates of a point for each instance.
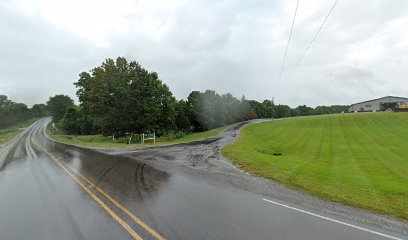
(351, 75)
(227, 46)
(38, 60)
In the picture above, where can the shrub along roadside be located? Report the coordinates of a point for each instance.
(106, 141)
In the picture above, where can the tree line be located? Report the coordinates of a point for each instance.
(12, 113)
(121, 97)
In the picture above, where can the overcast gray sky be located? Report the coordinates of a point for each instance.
(232, 46)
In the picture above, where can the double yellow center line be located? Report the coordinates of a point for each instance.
(65, 166)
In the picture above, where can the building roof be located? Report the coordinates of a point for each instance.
(379, 99)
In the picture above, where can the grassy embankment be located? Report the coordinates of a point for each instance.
(357, 159)
(102, 141)
(8, 133)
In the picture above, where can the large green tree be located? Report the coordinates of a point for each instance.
(208, 110)
(39, 110)
(121, 97)
(182, 118)
(304, 110)
(57, 106)
(282, 111)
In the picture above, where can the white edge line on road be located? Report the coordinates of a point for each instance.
(334, 220)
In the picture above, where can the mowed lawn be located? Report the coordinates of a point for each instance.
(357, 159)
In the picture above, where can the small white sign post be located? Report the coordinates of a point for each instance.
(54, 128)
(148, 136)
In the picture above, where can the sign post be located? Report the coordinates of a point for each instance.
(148, 136)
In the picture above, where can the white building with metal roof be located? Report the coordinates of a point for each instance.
(377, 104)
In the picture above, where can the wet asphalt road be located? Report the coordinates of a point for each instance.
(54, 191)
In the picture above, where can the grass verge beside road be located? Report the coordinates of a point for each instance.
(9, 133)
(357, 159)
(106, 141)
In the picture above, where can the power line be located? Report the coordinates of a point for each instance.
(311, 42)
(287, 45)
(314, 37)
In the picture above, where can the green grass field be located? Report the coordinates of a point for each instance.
(9, 133)
(357, 159)
(102, 141)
